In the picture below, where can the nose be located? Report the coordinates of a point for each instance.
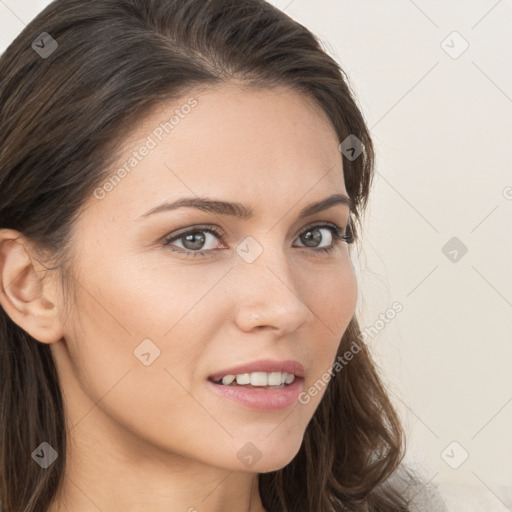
(268, 296)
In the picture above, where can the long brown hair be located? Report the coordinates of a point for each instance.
(66, 101)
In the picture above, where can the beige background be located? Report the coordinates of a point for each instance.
(442, 124)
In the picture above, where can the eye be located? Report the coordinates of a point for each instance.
(194, 240)
(312, 236)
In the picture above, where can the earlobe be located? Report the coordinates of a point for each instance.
(24, 292)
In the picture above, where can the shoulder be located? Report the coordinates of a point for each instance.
(420, 493)
(475, 497)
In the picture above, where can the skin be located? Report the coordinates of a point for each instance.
(155, 437)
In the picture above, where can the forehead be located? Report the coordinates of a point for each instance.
(229, 142)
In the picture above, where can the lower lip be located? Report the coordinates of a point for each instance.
(260, 399)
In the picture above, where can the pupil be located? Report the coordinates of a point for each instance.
(200, 239)
(317, 237)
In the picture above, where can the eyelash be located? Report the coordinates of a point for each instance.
(337, 233)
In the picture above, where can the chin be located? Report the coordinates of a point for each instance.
(277, 455)
(275, 465)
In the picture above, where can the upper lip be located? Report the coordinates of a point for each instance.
(263, 365)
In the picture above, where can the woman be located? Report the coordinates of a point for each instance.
(181, 183)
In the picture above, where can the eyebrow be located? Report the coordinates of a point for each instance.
(242, 211)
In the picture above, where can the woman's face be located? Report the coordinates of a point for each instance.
(153, 322)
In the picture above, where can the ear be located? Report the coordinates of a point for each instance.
(27, 291)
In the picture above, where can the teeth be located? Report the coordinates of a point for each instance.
(259, 379)
(243, 378)
(289, 378)
(228, 379)
(274, 379)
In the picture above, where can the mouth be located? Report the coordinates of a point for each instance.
(265, 373)
(260, 398)
(266, 380)
(265, 385)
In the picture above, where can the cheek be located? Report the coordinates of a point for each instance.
(333, 301)
(332, 296)
(111, 321)
(117, 315)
